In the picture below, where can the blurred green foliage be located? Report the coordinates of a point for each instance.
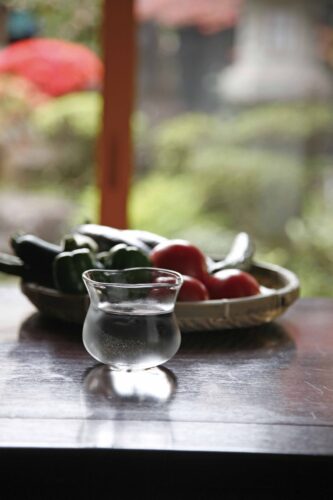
(158, 201)
(196, 181)
(69, 126)
(264, 170)
(78, 111)
(77, 20)
(278, 122)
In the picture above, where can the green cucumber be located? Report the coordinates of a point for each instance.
(240, 255)
(10, 264)
(107, 237)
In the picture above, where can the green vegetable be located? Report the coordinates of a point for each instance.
(150, 239)
(10, 264)
(239, 257)
(37, 255)
(123, 256)
(105, 260)
(107, 237)
(68, 268)
(72, 242)
(33, 250)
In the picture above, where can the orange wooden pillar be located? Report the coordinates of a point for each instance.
(115, 154)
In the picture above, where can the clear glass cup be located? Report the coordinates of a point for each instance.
(130, 323)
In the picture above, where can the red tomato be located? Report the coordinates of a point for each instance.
(181, 256)
(231, 284)
(192, 290)
(162, 293)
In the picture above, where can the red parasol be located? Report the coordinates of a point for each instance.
(208, 15)
(55, 67)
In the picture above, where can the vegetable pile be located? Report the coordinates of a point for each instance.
(102, 247)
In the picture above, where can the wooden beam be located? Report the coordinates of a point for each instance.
(115, 154)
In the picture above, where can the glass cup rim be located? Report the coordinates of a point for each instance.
(175, 274)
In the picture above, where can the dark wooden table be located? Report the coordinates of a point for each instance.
(234, 411)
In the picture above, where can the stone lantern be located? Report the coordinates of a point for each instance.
(275, 55)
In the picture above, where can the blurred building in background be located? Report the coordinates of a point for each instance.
(277, 54)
